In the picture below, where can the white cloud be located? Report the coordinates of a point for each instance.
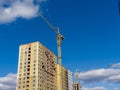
(95, 88)
(10, 10)
(107, 75)
(115, 79)
(8, 82)
(117, 65)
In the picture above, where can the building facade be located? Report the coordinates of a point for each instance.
(77, 86)
(70, 81)
(36, 68)
(62, 78)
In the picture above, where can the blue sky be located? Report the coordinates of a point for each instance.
(91, 29)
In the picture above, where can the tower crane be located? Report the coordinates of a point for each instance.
(59, 38)
(76, 76)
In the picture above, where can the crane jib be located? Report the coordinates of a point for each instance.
(59, 37)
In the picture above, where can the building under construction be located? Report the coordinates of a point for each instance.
(38, 70)
(77, 85)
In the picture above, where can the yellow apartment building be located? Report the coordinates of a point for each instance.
(36, 68)
(62, 78)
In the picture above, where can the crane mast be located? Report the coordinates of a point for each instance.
(59, 38)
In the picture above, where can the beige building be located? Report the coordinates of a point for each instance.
(70, 81)
(36, 68)
(62, 78)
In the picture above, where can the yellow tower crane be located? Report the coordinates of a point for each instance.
(59, 38)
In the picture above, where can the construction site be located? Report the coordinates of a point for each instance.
(47, 40)
(40, 69)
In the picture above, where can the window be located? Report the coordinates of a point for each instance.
(19, 74)
(34, 65)
(33, 72)
(33, 80)
(27, 85)
(28, 77)
(25, 52)
(28, 69)
(29, 48)
(24, 78)
(18, 86)
(33, 85)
